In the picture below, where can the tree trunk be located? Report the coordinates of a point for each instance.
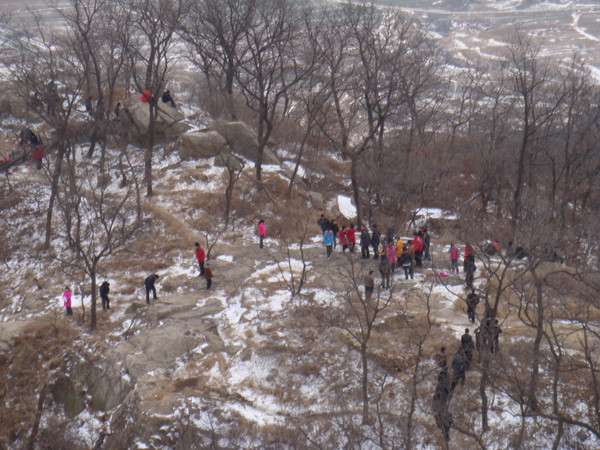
(365, 379)
(93, 308)
(356, 188)
(54, 192)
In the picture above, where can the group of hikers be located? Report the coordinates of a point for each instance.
(486, 340)
(391, 250)
(37, 152)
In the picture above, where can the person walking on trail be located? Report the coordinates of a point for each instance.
(469, 266)
(351, 235)
(468, 347)
(458, 369)
(67, 300)
(324, 223)
(328, 239)
(440, 359)
(439, 405)
(472, 302)
(262, 232)
(343, 239)
(149, 284)
(365, 242)
(375, 239)
(200, 257)
(208, 276)
(369, 285)
(454, 255)
(384, 270)
(104, 290)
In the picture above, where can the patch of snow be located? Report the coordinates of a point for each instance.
(346, 206)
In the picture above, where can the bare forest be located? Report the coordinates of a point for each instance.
(278, 110)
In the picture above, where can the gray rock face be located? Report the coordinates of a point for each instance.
(65, 393)
(200, 144)
(136, 117)
(242, 140)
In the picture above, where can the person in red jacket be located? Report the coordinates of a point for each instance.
(343, 239)
(351, 237)
(201, 257)
(418, 244)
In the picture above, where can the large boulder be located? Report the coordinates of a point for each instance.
(136, 117)
(202, 144)
(242, 140)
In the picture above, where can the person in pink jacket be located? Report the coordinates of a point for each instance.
(391, 255)
(262, 231)
(67, 300)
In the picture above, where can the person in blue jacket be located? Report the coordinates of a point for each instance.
(328, 239)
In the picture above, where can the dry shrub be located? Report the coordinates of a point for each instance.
(39, 355)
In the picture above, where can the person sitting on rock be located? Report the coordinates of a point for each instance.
(166, 98)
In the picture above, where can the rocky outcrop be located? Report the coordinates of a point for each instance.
(202, 144)
(135, 116)
(242, 140)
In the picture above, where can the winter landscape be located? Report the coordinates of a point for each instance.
(448, 129)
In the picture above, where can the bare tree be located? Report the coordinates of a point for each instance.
(103, 224)
(276, 58)
(48, 79)
(214, 31)
(154, 24)
(356, 314)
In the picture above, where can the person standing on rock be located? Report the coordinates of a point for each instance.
(208, 276)
(365, 242)
(262, 232)
(149, 283)
(375, 239)
(343, 239)
(200, 257)
(67, 300)
(454, 254)
(336, 230)
(406, 261)
(104, 290)
(384, 270)
(369, 285)
(351, 235)
(324, 223)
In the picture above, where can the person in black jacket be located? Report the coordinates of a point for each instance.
(375, 239)
(468, 347)
(104, 290)
(324, 223)
(472, 302)
(149, 283)
(336, 231)
(406, 262)
(458, 368)
(365, 242)
(166, 98)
